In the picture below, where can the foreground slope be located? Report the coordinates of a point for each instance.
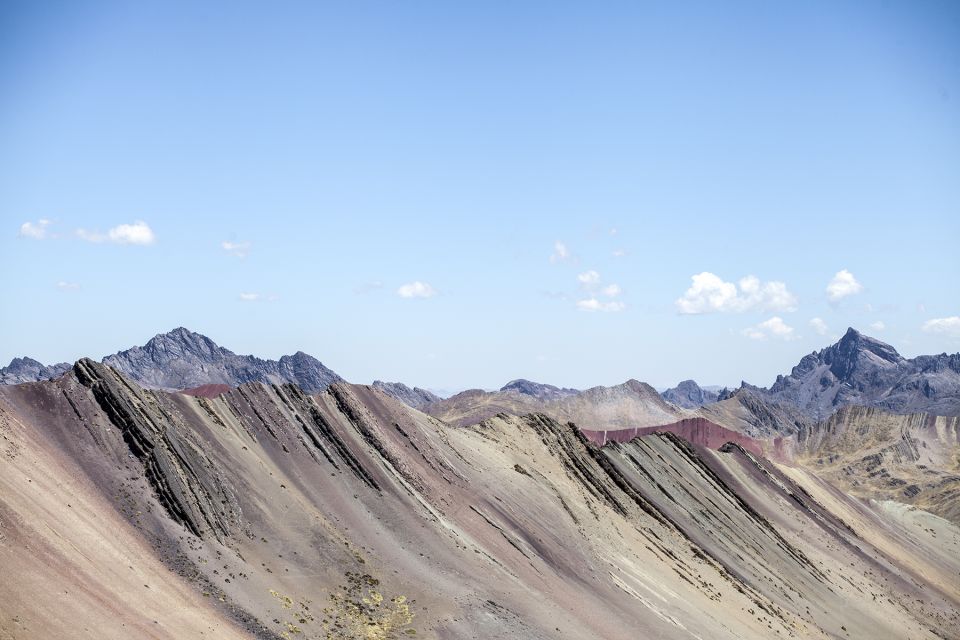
(266, 512)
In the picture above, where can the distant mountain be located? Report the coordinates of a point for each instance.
(627, 405)
(182, 359)
(415, 397)
(29, 370)
(689, 395)
(538, 389)
(860, 370)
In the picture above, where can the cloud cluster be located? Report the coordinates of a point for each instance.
(842, 284)
(592, 285)
(775, 328)
(949, 326)
(138, 233)
(416, 289)
(36, 230)
(708, 293)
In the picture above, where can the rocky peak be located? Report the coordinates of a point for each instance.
(27, 369)
(183, 359)
(689, 395)
(856, 352)
(537, 389)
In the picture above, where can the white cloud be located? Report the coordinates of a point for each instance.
(619, 253)
(775, 327)
(137, 233)
(819, 326)
(416, 289)
(611, 290)
(592, 304)
(842, 285)
(878, 325)
(946, 326)
(560, 252)
(63, 285)
(36, 230)
(588, 278)
(709, 293)
(238, 249)
(250, 296)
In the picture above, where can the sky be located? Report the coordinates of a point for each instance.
(455, 195)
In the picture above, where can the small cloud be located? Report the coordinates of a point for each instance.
(708, 293)
(922, 308)
(949, 327)
(250, 297)
(619, 253)
(36, 230)
(138, 233)
(238, 249)
(842, 284)
(592, 304)
(63, 285)
(560, 253)
(588, 278)
(614, 231)
(611, 290)
(416, 289)
(775, 327)
(819, 326)
(878, 325)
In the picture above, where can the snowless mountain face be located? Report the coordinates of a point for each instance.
(415, 397)
(689, 395)
(29, 370)
(538, 390)
(860, 370)
(265, 512)
(182, 359)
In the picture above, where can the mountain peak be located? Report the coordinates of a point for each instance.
(689, 395)
(537, 389)
(181, 359)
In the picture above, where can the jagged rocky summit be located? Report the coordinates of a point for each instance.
(860, 370)
(29, 370)
(538, 390)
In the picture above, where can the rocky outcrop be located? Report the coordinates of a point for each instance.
(25, 369)
(860, 370)
(415, 397)
(689, 395)
(182, 359)
(538, 390)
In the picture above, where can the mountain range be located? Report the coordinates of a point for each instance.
(264, 512)
(857, 370)
(860, 370)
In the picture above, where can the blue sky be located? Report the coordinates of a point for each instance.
(392, 181)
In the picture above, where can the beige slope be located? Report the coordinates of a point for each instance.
(289, 507)
(72, 565)
(913, 459)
